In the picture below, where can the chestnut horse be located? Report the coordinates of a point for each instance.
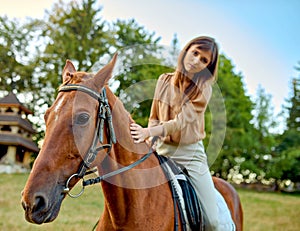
(136, 192)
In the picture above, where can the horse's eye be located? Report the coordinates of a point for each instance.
(82, 119)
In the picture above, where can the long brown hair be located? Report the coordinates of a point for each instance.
(208, 74)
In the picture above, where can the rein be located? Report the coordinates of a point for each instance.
(104, 115)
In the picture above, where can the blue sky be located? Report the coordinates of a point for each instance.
(260, 37)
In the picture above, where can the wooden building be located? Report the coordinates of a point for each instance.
(16, 145)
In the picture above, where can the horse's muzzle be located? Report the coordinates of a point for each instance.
(39, 210)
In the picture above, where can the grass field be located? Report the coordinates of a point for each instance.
(262, 211)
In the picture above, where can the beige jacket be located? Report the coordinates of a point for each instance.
(182, 124)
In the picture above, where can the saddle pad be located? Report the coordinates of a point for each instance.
(225, 221)
(184, 195)
(178, 189)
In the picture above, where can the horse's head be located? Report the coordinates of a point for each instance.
(70, 128)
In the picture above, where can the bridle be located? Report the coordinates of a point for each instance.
(104, 116)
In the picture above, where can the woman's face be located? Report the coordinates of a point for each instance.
(196, 60)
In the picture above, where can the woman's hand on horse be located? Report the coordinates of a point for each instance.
(138, 133)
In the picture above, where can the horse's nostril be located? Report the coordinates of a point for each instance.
(24, 205)
(40, 203)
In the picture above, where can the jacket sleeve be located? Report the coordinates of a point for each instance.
(154, 113)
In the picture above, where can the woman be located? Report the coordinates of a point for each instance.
(177, 117)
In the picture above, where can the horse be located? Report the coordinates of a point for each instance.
(88, 127)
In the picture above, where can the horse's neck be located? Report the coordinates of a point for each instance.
(121, 122)
(129, 193)
(133, 186)
(125, 151)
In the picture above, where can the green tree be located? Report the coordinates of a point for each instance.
(76, 31)
(239, 144)
(293, 121)
(285, 159)
(263, 112)
(286, 156)
(264, 122)
(15, 67)
(142, 62)
(73, 31)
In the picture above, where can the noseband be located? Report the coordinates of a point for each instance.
(104, 116)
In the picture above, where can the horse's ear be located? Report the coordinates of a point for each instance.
(69, 69)
(102, 76)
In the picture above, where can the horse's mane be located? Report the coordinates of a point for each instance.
(117, 102)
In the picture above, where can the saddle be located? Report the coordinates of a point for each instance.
(191, 210)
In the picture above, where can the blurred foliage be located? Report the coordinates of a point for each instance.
(286, 156)
(16, 69)
(238, 139)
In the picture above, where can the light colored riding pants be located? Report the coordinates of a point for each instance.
(194, 159)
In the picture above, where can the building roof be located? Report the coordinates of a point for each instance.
(11, 100)
(9, 139)
(16, 120)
